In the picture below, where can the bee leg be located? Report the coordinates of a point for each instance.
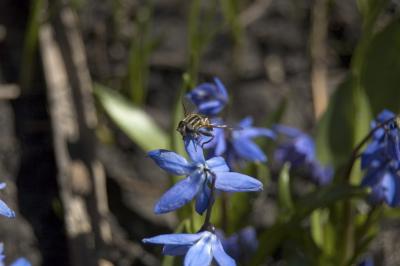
(208, 141)
(195, 139)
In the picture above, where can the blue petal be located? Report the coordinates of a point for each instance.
(246, 122)
(248, 238)
(202, 199)
(171, 162)
(305, 145)
(220, 255)
(194, 150)
(180, 194)
(396, 200)
(248, 150)
(288, 131)
(217, 164)
(393, 144)
(220, 147)
(385, 115)
(2, 257)
(209, 98)
(389, 187)
(201, 93)
(371, 153)
(254, 132)
(175, 250)
(320, 175)
(222, 93)
(173, 239)
(21, 262)
(211, 107)
(2, 185)
(5, 210)
(200, 254)
(367, 262)
(235, 182)
(217, 144)
(373, 175)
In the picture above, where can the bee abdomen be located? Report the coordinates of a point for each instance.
(196, 121)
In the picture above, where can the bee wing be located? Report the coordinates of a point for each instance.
(188, 105)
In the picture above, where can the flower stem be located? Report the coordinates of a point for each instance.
(224, 207)
(207, 222)
(356, 152)
(347, 241)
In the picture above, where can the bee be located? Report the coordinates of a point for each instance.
(195, 124)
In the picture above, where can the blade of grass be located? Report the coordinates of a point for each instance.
(141, 47)
(31, 43)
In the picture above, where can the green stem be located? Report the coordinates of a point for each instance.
(347, 244)
(224, 207)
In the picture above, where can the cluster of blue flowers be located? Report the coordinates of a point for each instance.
(208, 171)
(9, 213)
(381, 160)
(299, 150)
(236, 144)
(204, 177)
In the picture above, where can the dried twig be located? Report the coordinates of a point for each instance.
(318, 56)
(254, 12)
(9, 91)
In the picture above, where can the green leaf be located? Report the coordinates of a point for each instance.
(268, 241)
(276, 116)
(133, 121)
(285, 197)
(316, 224)
(370, 10)
(30, 43)
(324, 197)
(238, 210)
(380, 74)
(335, 129)
(142, 46)
(343, 125)
(230, 10)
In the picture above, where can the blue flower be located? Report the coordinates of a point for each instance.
(385, 142)
(367, 262)
(237, 144)
(21, 262)
(240, 245)
(383, 179)
(200, 248)
(199, 175)
(299, 150)
(209, 98)
(18, 262)
(2, 256)
(381, 163)
(4, 209)
(385, 189)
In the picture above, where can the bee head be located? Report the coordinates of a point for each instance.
(181, 128)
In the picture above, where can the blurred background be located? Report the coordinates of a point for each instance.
(88, 86)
